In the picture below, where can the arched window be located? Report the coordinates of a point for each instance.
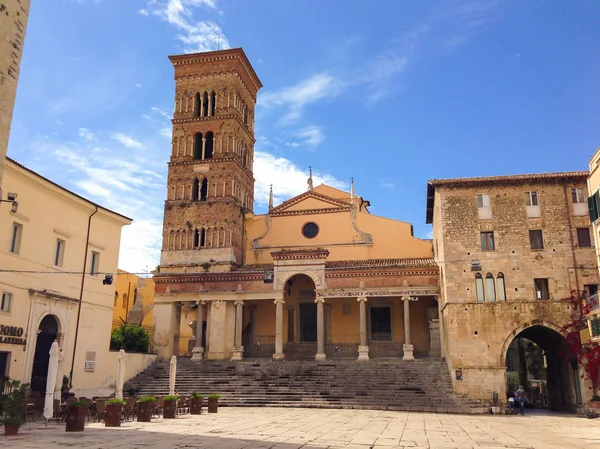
(490, 288)
(195, 190)
(205, 105)
(204, 190)
(196, 238)
(202, 238)
(213, 102)
(500, 288)
(198, 146)
(125, 300)
(479, 288)
(197, 104)
(245, 160)
(210, 143)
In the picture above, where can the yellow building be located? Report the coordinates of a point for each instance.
(134, 296)
(57, 247)
(593, 183)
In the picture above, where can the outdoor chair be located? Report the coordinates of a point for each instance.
(100, 409)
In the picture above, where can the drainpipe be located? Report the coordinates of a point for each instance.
(87, 245)
(572, 242)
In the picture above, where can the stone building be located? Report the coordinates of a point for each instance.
(509, 248)
(13, 23)
(317, 276)
(134, 298)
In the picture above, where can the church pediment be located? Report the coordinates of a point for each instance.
(312, 202)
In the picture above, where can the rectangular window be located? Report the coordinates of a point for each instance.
(577, 196)
(541, 289)
(59, 252)
(6, 302)
(536, 239)
(484, 207)
(94, 263)
(483, 200)
(15, 238)
(583, 238)
(531, 199)
(487, 241)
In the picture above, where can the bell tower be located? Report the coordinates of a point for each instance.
(210, 180)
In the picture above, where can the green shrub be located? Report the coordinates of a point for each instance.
(196, 395)
(214, 396)
(171, 398)
(147, 399)
(13, 403)
(77, 404)
(115, 401)
(131, 338)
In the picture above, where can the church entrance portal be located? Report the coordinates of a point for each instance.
(381, 324)
(308, 321)
(47, 333)
(539, 359)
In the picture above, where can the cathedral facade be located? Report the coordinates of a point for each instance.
(316, 277)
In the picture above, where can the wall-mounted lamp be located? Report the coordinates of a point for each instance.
(11, 197)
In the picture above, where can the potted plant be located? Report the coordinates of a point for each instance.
(112, 415)
(196, 404)
(145, 407)
(595, 402)
(170, 406)
(213, 403)
(76, 412)
(13, 406)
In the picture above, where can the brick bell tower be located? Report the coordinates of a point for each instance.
(210, 181)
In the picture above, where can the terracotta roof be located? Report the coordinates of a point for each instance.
(255, 268)
(509, 178)
(424, 262)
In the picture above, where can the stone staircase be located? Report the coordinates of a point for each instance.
(422, 385)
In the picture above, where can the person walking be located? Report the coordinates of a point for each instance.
(520, 396)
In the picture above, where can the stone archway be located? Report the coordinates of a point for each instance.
(299, 291)
(47, 332)
(536, 355)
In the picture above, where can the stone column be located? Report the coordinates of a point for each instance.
(290, 310)
(363, 349)
(279, 355)
(209, 105)
(408, 348)
(198, 351)
(203, 147)
(320, 330)
(165, 329)
(238, 349)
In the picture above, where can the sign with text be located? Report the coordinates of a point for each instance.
(12, 335)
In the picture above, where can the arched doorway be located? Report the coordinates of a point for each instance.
(47, 333)
(539, 359)
(299, 291)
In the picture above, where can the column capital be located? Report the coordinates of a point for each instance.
(362, 299)
(238, 302)
(279, 301)
(320, 300)
(409, 298)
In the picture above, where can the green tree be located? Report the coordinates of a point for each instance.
(131, 338)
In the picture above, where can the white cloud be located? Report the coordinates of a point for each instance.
(309, 137)
(317, 88)
(384, 183)
(288, 179)
(86, 134)
(199, 36)
(129, 142)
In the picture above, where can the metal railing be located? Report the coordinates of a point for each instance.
(258, 346)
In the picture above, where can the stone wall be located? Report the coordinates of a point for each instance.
(13, 23)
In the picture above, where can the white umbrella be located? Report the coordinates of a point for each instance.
(51, 381)
(172, 374)
(59, 376)
(120, 374)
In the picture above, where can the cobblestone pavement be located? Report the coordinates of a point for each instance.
(281, 428)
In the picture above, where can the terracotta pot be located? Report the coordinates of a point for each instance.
(195, 406)
(145, 409)
(76, 418)
(10, 430)
(112, 416)
(213, 405)
(170, 409)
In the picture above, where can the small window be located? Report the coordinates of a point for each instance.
(583, 238)
(531, 199)
(94, 263)
(15, 238)
(125, 298)
(487, 241)
(479, 288)
(536, 239)
(310, 230)
(59, 252)
(500, 287)
(490, 288)
(541, 289)
(6, 302)
(483, 200)
(577, 195)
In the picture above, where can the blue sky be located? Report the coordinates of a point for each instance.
(392, 93)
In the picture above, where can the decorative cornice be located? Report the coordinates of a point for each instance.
(216, 118)
(309, 194)
(366, 273)
(311, 211)
(207, 277)
(300, 254)
(357, 293)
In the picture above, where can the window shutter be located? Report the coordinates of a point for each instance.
(592, 208)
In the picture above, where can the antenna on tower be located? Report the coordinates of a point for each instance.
(218, 39)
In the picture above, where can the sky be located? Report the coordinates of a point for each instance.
(390, 92)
